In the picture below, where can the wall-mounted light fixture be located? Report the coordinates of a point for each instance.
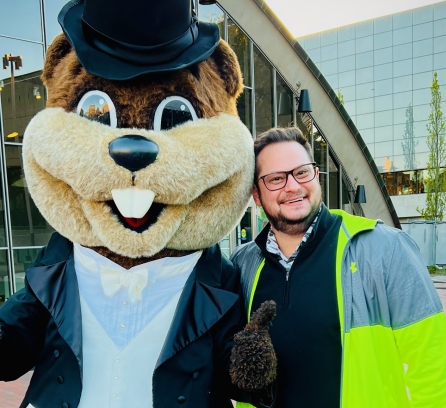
(359, 191)
(207, 2)
(36, 93)
(304, 102)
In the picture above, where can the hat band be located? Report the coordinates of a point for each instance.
(140, 54)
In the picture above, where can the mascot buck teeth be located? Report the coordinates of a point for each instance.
(142, 166)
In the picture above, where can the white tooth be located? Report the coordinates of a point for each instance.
(133, 202)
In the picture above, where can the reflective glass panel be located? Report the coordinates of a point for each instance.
(23, 258)
(333, 80)
(4, 276)
(424, 47)
(402, 99)
(439, 11)
(423, 31)
(313, 41)
(323, 181)
(440, 27)
(383, 133)
(29, 228)
(383, 72)
(421, 112)
(383, 103)
(346, 48)
(329, 37)
(349, 93)
(382, 24)
(382, 40)
(244, 108)
(402, 36)
(440, 44)
(422, 80)
(315, 54)
(364, 75)
(399, 115)
(365, 121)
(364, 29)
(263, 78)
(383, 87)
(21, 101)
(320, 152)
(402, 84)
(364, 90)
(440, 61)
(421, 96)
(390, 182)
(402, 52)
(383, 56)
(329, 52)
(368, 135)
(350, 107)
(21, 21)
(333, 185)
(329, 67)
(240, 44)
(364, 44)
(423, 15)
(401, 68)
(346, 33)
(383, 118)
(213, 14)
(403, 19)
(346, 63)
(364, 106)
(384, 149)
(423, 64)
(245, 227)
(364, 59)
(284, 103)
(347, 78)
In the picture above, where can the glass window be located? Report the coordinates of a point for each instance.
(421, 112)
(421, 96)
(422, 64)
(329, 37)
(263, 78)
(364, 90)
(364, 59)
(350, 106)
(212, 14)
(29, 228)
(349, 93)
(403, 19)
(401, 68)
(324, 184)
(333, 80)
(399, 130)
(364, 29)
(421, 145)
(4, 276)
(329, 67)
(245, 228)
(320, 152)
(239, 42)
(424, 47)
(440, 27)
(399, 115)
(384, 149)
(383, 118)
(20, 103)
(419, 128)
(422, 80)
(21, 21)
(364, 44)
(402, 36)
(402, 52)
(364, 75)
(383, 71)
(423, 31)
(368, 135)
(315, 54)
(23, 258)
(346, 63)
(382, 24)
(365, 121)
(383, 133)
(402, 84)
(439, 44)
(347, 78)
(346, 33)
(284, 103)
(383, 103)
(398, 162)
(423, 15)
(402, 99)
(440, 60)
(346, 48)
(383, 56)
(333, 185)
(383, 87)
(390, 182)
(364, 106)
(52, 9)
(329, 52)
(244, 108)
(383, 40)
(422, 159)
(439, 11)
(441, 77)
(313, 41)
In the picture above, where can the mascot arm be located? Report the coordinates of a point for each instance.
(23, 320)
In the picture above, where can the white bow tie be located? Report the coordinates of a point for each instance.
(113, 279)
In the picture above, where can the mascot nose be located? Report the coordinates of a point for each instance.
(133, 152)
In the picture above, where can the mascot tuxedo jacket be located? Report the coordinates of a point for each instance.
(41, 327)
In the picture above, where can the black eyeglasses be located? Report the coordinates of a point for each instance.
(277, 180)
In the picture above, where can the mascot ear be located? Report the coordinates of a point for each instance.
(58, 49)
(229, 69)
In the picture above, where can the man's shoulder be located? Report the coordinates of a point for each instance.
(244, 250)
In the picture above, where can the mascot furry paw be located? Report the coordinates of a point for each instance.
(141, 165)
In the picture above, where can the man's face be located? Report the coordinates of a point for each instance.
(283, 208)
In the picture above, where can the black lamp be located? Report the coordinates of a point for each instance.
(304, 102)
(284, 104)
(360, 195)
(207, 2)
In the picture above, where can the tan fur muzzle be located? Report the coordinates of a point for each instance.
(202, 175)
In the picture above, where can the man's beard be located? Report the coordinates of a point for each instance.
(293, 226)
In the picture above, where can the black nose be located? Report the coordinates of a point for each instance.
(133, 152)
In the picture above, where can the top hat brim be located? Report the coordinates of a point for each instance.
(104, 65)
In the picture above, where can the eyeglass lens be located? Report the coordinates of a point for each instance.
(301, 174)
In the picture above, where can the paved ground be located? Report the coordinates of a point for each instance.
(11, 393)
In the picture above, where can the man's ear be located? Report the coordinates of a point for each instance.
(256, 195)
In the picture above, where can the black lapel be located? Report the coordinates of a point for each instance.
(201, 305)
(56, 288)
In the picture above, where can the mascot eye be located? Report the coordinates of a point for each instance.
(97, 106)
(173, 111)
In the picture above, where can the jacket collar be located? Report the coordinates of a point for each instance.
(202, 303)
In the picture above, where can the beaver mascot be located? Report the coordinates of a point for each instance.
(142, 166)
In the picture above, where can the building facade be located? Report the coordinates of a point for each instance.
(383, 68)
(268, 100)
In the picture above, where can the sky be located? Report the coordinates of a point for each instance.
(308, 17)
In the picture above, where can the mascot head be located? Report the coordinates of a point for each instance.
(140, 148)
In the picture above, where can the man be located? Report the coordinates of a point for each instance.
(359, 323)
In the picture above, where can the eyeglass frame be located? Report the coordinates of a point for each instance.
(287, 173)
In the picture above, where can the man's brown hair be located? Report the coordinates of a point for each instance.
(279, 135)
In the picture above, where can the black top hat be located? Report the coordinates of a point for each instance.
(119, 40)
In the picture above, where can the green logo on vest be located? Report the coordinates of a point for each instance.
(353, 267)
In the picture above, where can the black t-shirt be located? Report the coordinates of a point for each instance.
(306, 332)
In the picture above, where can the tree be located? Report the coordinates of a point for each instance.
(409, 143)
(435, 182)
(340, 96)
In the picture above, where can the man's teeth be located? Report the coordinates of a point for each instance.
(133, 202)
(297, 200)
